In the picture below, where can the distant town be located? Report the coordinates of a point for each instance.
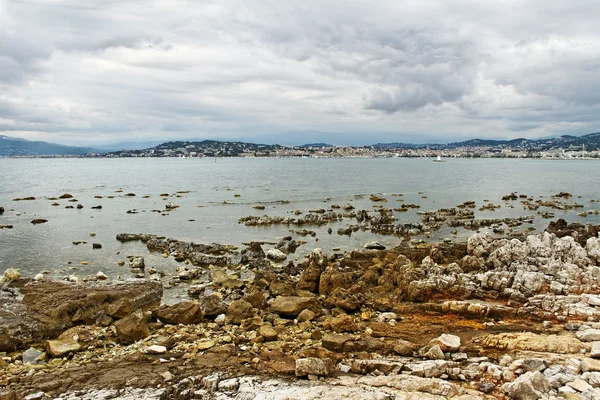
(562, 147)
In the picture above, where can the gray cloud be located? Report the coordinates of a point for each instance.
(100, 71)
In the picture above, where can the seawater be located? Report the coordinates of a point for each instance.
(282, 185)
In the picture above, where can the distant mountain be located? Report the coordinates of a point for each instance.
(12, 147)
(316, 145)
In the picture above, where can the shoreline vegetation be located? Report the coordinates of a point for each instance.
(510, 312)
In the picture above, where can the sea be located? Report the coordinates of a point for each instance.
(213, 194)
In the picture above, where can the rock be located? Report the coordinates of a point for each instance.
(589, 335)
(96, 246)
(292, 306)
(212, 306)
(276, 255)
(374, 246)
(595, 352)
(39, 221)
(156, 349)
(404, 348)
(137, 263)
(590, 364)
(343, 323)
(310, 277)
(580, 385)
(1, 210)
(343, 299)
(529, 386)
(32, 356)
(239, 310)
(60, 348)
(534, 364)
(435, 353)
(185, 312)
(267, 332)
(313, 366)
(132, 328)
(306, 315)
(449, 343)
(49, 307)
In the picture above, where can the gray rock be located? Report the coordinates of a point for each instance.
(595, 352)
(450, 343)
(435, 353)
(33, 356)
(276, 255)
(589, 335)
(374, 246)
(529, 386)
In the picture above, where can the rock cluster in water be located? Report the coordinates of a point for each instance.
(489, 318)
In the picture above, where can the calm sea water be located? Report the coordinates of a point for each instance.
(304, 183)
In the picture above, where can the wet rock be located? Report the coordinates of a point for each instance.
(276, 255)
(137, 263)
(62, 347)
(132, 328)
(1, 210)
(38, 221)
(185, 312)
(292, 306)
(96, 246)
(374, 246)
(313, 366)
(239, 310)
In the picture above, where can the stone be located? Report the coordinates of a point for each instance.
(374, 246)
(185, 312)
(529, 386)
(60, 348)
(335, 342)
(132, 328)
(212, 306)
(589, 335)
(239, 310)
(404, 348)
(292, 306)
(435, 353)
(267, 332)
(595, 351)
(276, 255)
(590, 364)
(313, 366)
(48, 307)
(343, 323)
(310, 277)
(32, 356)
(580, 385)
(156, 349)
(449, 343)
(534, 364)
(306, 315)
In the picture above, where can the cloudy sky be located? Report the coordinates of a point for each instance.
(104, 71)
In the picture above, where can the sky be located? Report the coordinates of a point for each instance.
(102, 71)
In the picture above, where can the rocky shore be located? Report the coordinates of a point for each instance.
(489, 318)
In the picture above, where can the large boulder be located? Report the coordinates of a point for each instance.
(48, 308)
(185, 312)
(292, 306)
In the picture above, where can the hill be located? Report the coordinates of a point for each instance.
(14, 147)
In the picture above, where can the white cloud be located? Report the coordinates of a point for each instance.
(95, 71)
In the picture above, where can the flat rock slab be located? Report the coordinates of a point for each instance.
(34, 311)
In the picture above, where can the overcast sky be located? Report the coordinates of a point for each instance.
(103, 71)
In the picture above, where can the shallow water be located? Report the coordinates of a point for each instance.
(304, 183)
